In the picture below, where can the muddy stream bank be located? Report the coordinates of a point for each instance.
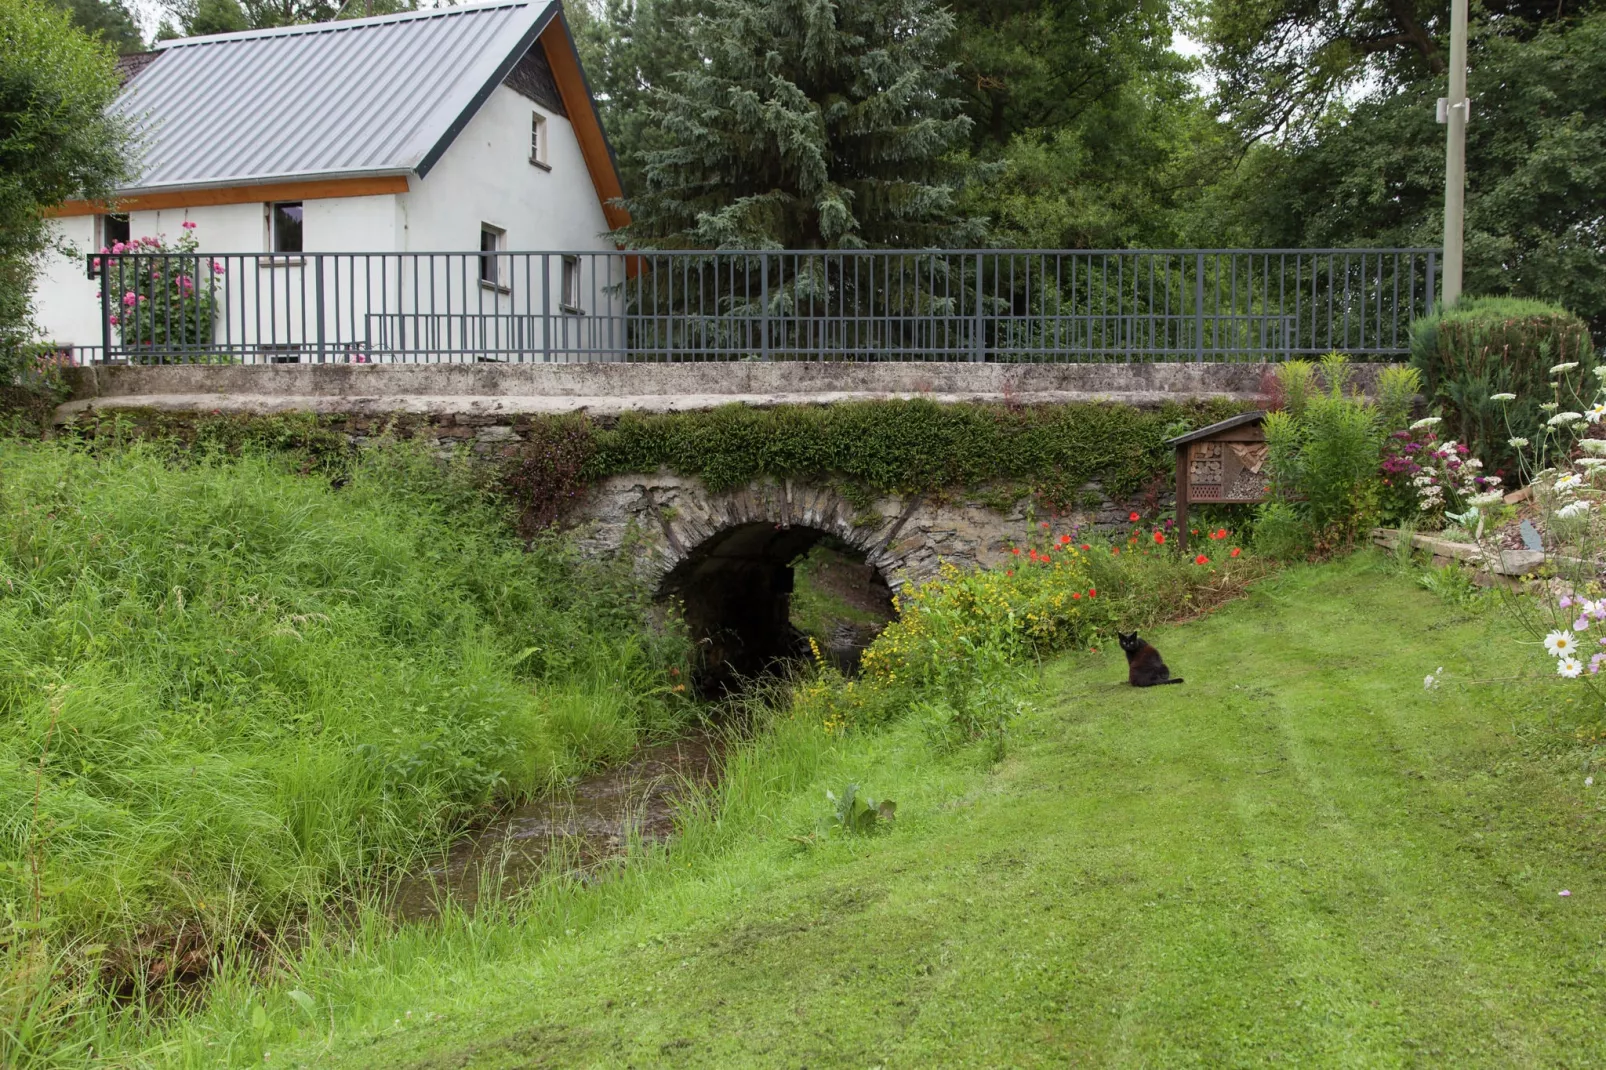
(579, 827)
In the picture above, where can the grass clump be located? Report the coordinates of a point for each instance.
(230, 694)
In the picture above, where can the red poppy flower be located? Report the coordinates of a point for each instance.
(1015, 551)
(1235, 552)
(1133, 517)
(1045, 523)
(1009, 572)
(1159, 539)
(1115, 549)
(1092, 593)
(1085, 546)
(1075, 596)
(1201, 560)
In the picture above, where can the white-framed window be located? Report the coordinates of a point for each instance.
(569, 295)
(538, 139)
(493, 240)
(284, 228)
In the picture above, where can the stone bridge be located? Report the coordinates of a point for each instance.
(727, 557)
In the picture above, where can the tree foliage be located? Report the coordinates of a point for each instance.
(805, 124)
(56, 141)
(109, 20)
(1373, 173)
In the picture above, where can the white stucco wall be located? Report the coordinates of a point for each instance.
(485, 177)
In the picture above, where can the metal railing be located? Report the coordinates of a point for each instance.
(968, 305)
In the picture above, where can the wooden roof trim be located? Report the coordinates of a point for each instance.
(561, 56)
(311, 190)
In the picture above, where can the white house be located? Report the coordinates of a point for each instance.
(452, 130)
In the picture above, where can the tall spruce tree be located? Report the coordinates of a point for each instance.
(805, 124)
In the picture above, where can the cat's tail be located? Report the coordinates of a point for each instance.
(1178, 680)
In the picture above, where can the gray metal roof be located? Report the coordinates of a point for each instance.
(370, 96)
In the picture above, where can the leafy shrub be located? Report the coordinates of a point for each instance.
(955, 654)
(1486, 346)
(162, 301)
(1324, 450)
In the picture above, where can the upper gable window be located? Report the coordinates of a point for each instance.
(538, 141)
(284, 226)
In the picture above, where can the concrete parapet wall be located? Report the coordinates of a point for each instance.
(603, 389)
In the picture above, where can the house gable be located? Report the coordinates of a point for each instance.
(532, 77)
(334, 108)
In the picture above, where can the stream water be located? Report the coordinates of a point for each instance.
(589, 823)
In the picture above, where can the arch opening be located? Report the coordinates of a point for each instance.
(746, 590)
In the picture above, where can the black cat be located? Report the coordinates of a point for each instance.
(1144, 665)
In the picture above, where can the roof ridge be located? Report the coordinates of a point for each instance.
(339, 25)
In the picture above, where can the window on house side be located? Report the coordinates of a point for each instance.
(284, 224)
(538, 139)
(109, 230)
(113, 229)
(492, 241)
(570, 294)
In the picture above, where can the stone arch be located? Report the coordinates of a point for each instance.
(676, 529)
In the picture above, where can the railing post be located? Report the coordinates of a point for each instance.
(546, 307)
(977, 352)
(1433, 270)
(764, 307)
(105, 308)
(1198, 306)
(323, 354)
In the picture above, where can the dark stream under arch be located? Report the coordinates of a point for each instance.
(736, 591)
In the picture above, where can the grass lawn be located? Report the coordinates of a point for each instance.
(1300, 856)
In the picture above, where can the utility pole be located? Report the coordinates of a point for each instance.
(1453, 113)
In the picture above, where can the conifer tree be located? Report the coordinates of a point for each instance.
(806, 124)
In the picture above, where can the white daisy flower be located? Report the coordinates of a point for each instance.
(1562, 419)
(1502, 397)
(1595, 412)
(1569, 667)
(1561, 643)
(1573, 510)
(1426, 421)
(1516, 443)
(1569, 482)
(1558, 369)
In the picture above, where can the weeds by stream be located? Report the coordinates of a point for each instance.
(232, 695)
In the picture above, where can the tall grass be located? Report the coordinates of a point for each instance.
(230, 693)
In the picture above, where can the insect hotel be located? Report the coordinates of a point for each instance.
(1223, 463)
